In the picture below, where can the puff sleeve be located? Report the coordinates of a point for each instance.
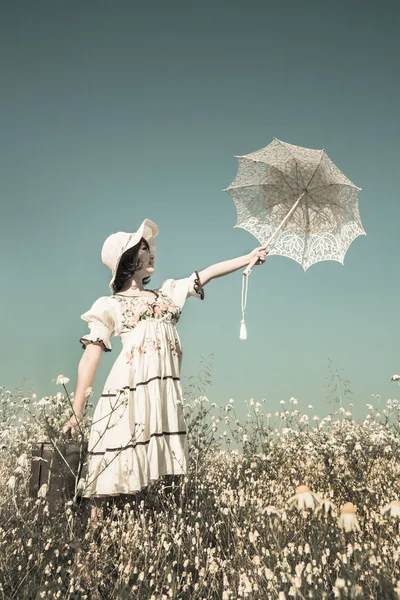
(180, 289)
(101, 324)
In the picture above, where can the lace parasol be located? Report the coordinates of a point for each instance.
(296, 200)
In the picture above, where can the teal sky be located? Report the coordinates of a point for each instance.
(112, 112)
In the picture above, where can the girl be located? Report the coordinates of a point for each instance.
(138, 432)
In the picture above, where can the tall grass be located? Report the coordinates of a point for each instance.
(238, 525)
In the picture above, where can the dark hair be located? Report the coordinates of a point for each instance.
(128, 265)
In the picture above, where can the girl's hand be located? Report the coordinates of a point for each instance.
(72, 425)
(259, 252)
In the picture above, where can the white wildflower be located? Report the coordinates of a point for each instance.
(244, 581)
(213, 568)
(43, 490)
(43, 401)
(326, 506)
(23, 461)
(348, 520)
(299, 569)
(272, 510)
(392, 509)
(12, 482)
(304, 498)
(61, 380)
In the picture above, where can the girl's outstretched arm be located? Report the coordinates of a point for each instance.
(229, 266)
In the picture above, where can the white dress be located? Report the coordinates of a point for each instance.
(138, 432)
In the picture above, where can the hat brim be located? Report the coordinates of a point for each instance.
(147, 230)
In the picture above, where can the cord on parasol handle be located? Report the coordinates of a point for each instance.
(247, 271)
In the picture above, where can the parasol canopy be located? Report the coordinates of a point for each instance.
(297, 201)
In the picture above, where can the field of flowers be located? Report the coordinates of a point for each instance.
(283, 505)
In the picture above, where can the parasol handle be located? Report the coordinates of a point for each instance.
(249, 267)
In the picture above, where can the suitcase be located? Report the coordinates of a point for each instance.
(51, 468)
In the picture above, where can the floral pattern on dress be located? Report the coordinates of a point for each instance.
(149, 345)
(176, 348)
(134, 311)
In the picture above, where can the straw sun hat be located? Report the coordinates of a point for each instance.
(117, 243)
